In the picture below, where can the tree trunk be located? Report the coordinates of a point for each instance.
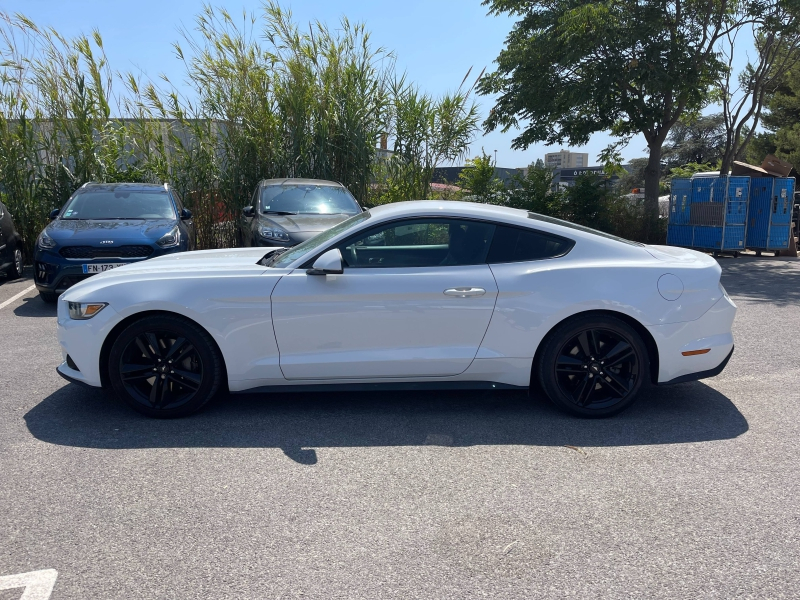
(652, 177)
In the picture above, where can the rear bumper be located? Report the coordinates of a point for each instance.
(711, 332)
(702, 374)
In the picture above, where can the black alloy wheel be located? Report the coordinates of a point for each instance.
(165, 366)
(17, 266)
(594, 366)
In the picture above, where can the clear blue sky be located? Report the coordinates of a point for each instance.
(435, 41)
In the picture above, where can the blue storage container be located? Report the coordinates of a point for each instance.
(758, 212)
(770, 214)
(738, 194)
(716, 217)
(679, 235)
(701, 188)
(680, 200)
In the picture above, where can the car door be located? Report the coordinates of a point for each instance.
(6, 233)
(414, 300)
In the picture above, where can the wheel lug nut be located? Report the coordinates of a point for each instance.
(163, 377)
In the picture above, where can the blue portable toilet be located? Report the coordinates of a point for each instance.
(769, 218)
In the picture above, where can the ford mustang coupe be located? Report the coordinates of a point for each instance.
(413, 295)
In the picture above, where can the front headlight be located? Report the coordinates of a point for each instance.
(81, 311)
(273, 233)
(171, 239)
(45, 241)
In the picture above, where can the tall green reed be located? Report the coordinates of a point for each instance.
(265, 99)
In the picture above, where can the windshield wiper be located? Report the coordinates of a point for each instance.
(277, 212)
(271, 257)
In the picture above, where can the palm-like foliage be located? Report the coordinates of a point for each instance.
(267, 100)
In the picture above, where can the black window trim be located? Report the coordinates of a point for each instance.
(571, 243)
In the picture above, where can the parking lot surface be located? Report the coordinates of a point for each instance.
(691, 493)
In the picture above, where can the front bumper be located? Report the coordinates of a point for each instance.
(82, 342)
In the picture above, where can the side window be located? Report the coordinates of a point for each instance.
(514, 244)
(420, 243)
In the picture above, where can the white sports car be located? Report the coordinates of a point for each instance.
(412, 295)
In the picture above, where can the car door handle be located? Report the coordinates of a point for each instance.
(465, 292)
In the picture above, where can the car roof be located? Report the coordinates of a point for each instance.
(512, 216)
(301, 181)
(127, 186)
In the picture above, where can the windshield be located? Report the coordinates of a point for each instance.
(308, 199)
(310, 245)
(120, 204)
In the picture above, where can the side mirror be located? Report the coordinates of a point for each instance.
(54, 213)
(249, 212)
(186, 214)
(329, 263)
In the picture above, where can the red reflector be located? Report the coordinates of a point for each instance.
(694, 352)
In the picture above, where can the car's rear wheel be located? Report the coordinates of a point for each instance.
(165, 366)
(593, 366)
(17, 265)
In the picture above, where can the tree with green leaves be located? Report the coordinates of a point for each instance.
(696, 139)
(572, 68)
(776, 36)
(781, 120)
(479, 179)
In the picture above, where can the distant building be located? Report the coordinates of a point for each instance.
(566, 160)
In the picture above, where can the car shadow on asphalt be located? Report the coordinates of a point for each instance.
(765, 279)
(35, 307)
(299, 423)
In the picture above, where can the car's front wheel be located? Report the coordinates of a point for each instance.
(593, 366)
(17, 266)
(165, 366)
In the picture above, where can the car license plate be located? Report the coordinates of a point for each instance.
(100, 268)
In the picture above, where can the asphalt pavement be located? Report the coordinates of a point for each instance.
(693, 493)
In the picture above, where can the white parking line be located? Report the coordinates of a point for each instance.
(17, 297)
(38, 584)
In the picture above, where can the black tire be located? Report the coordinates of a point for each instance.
(49, 297)
(576, 372)
(17, 264)
(165, 366)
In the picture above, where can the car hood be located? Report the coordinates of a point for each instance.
(294, 224)
(201, 263)
(89, 232)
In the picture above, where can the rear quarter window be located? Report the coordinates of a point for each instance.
(514, 244)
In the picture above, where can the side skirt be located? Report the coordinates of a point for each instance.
(376, 387)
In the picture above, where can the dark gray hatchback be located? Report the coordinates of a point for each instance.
(285, 212)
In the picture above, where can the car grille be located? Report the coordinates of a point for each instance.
(89, 252)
